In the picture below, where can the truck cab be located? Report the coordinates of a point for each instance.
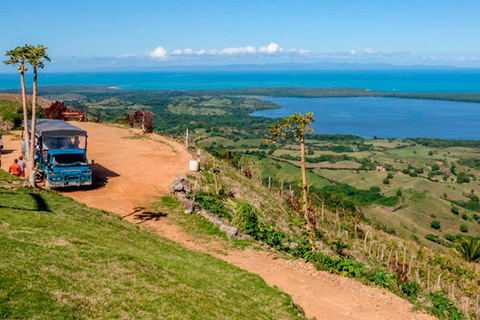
(66, 167)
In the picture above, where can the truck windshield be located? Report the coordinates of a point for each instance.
(69, 159)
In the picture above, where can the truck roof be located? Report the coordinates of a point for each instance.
(65, 151)
(57, 129)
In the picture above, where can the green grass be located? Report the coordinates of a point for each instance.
(11, 111)
(62, 260)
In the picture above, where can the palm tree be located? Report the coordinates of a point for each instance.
(296, 126)
(468, 249)
(36, 57)
(18, 57)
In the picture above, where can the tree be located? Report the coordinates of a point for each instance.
(468, 249)
(18, 57)
(435, 224)
(296, 126)
(56, 110)
(36, 57)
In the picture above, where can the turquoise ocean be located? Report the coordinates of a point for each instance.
(409, 80)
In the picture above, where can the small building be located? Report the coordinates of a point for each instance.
(380, 168)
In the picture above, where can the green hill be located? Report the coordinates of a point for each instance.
(62, 260)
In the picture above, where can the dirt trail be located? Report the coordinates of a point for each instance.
(134, 170)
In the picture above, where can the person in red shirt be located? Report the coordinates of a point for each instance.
(15, 168)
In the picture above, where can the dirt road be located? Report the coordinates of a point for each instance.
(131, 171)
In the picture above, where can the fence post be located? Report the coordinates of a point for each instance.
(269, 183)
(428, 279)
(186, 138)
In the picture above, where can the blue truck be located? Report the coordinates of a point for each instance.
(61, 154)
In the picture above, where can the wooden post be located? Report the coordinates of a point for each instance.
(216, 182)
(365, 241)
(476, 306)
(354, 226)
(186, 139)
(404, 257)
(428, 279)
(370, 250)
(390, 256)
(438, 287)
(281, 189)
(410, 265)
(322, 212)
(269, 183)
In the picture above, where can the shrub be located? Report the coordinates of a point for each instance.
(435, 167)
(454, 210)
(389, 176)
(432, 237)
(435, 224)
(464, 216)
(430, 153)
(475, 216)
(442, 307)
(245, 218)
(386, 181)
(56, 110)
(213, 204)
(462, 178)
(450, 238)
(375, 189)
(464, 228)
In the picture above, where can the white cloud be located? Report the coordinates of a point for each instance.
(128, 55)
(159, 53)
(370, 51)
(271, 48)
(303, 52)
(233, 51)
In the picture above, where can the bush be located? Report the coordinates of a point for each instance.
(454, 210)
(430, 153)
(450, 238)
(462, 178)
(389, 176)
(435, 167)
(375, 189)
(475, 216)
(442, 307)
(386, 181)
(56, 110)
(435, 224)
(245, 218)
(464, 216)
(213, 204)
(464, 228)
(432, 237)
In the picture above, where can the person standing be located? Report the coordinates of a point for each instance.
(15, 168)
(22, 165)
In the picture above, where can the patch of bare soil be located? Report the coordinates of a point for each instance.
(130, 171)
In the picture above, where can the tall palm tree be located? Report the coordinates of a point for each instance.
(18, 57)
(36, 57)
(468, 249)
(296, 126)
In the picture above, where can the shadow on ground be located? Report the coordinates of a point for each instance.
(144, 216)
(101, 176)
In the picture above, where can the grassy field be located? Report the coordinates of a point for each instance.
(414, 214)
(62, 260)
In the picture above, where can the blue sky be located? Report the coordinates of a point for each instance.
(125, 34)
